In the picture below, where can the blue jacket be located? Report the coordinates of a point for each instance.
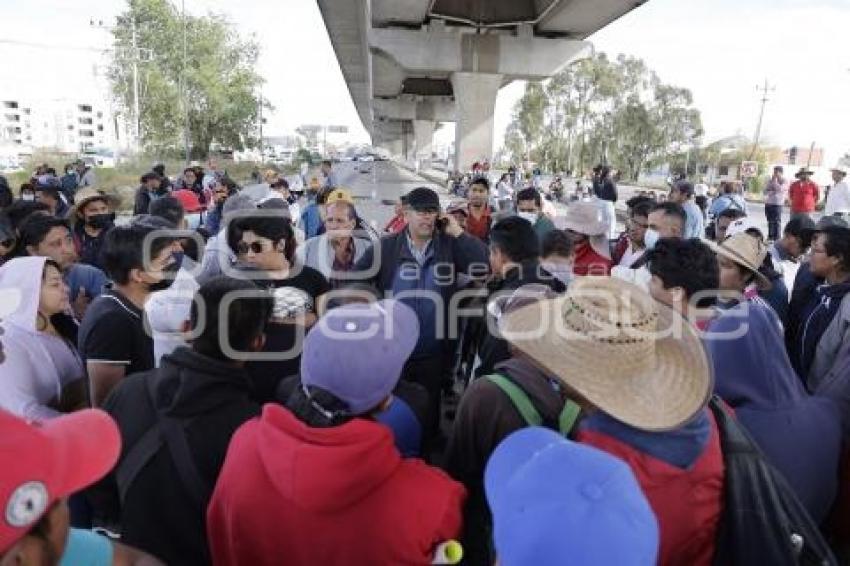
(800, 434)
(777, 298)
(212, 221)
(86, 277)
(725, 201)
(398, 272)
(311, 220)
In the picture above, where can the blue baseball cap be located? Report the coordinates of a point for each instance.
(558, 502)
(358, 351)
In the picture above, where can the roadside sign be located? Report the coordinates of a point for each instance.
(749, 169)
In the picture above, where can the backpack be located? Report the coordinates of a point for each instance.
(171, 433)
(566, 419)
(762, 521)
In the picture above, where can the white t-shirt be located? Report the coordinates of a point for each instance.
(838, 200)
(167, 310)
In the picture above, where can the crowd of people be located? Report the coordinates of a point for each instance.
(252, 375)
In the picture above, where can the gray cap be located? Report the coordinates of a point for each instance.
(237, 202)
(830, 221)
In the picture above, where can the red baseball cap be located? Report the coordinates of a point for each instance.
(189, 200)
(44, 462)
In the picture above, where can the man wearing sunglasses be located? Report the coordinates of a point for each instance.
(265, 249)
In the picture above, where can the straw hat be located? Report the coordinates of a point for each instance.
(88, 194)
(747, 251)
(585, 218)
(841, 168)
(633, 358)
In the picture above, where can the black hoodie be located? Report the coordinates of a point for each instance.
(211, 399)
(493, 349)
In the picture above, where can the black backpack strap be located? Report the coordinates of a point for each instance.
(174, 434)
(137, 458)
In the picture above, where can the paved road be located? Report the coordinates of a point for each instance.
(385, 180)
(382, 181)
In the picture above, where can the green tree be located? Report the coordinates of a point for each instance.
(599, 110)
(219, 76)
(530, 111)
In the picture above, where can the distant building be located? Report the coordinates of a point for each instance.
(65, 125)
(799, 155)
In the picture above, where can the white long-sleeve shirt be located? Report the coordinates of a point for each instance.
(838, 200)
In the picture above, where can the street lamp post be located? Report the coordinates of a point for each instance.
(186, 147)
(136, 54)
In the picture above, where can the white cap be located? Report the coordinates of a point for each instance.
(741, 225)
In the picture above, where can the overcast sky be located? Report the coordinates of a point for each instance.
(720, 49)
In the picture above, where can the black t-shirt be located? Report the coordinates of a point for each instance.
(113, 331)
(292, 296)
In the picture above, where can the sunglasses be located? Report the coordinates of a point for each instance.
(257, 247)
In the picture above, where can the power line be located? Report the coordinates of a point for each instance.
(53, 46)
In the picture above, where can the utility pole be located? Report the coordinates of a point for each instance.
(260, 112)
(183, 86)
(137, 118)
(811, 152)
(135, 56)
(767, 88)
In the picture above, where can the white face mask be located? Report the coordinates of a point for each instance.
(650, 238)
(28, 196)
(561, 271)
(530, 216)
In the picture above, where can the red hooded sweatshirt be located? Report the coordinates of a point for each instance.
(292, 494)
(588, 262)
(687, 502)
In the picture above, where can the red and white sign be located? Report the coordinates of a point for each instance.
(749, 169)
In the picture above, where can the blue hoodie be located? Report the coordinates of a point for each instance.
(799, 434)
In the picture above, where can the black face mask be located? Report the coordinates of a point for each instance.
(98, 221)
(164, 283)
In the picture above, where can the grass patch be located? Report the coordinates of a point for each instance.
(123, 180)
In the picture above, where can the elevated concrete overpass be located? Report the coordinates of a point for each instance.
(409, 64)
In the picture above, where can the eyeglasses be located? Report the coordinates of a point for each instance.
(637, 224)
(7, 243)
(243, 248)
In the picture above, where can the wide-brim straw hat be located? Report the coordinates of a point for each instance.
(585, 218)
(747, 251)
(804, 171)
(632, 357)
(88, 194)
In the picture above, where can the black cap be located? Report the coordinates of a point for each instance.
(423, 199)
